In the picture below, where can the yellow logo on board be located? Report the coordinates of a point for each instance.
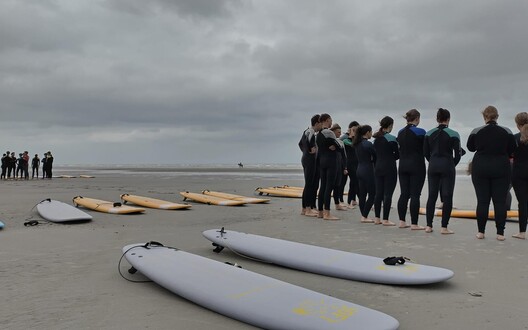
(331, 313)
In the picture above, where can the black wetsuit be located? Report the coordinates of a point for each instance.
(327, 166)
(442, 150)
(4, 167)
(49, 167)
(385, 172)
(340, 174)
(35, 163)
(520, 180)
(309, 164)
(411, 171)
(366, 155)
(491, 171)
(352, 164)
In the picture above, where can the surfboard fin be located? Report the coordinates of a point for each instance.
(218, 248)
(132, 270)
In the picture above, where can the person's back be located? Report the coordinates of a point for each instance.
(410, 140)
(493, 144)
(387, 153)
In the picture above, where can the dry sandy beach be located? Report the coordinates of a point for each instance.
(65, 276)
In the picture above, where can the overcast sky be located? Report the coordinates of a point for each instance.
(223, 81)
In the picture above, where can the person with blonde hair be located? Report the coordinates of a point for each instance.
(520, 171)
(491, 171)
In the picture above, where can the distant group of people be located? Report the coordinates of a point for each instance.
(330, 159)
(18, 168)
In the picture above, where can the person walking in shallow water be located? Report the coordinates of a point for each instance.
(491, 170)
(520, 171)
(442, 151)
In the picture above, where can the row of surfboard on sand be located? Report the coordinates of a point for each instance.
(296, 192)
(267, 302)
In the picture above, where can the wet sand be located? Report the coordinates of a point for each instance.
(64, 276)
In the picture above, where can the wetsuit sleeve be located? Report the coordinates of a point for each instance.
(457, 150)
(395, 149)
(301, 142)
(426, 148)
(511, 145)
(471, 143)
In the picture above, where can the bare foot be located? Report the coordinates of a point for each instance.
(519, 236)
(445, 231)
(351, 206)
(320, 214)
(377, 221)
(500, 238)
(480, 235)
(416, 227)
(311, 213)
(403, 224)
(428, 229)
(366, 220)
(388, 223)
(340, 207)
(303, 211)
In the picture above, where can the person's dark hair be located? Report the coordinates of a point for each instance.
(315, 119)
(442, 115)
(353, 124)
(362, 130)
(324, 117)
(521, 119)
(385, 122)
(411, 115)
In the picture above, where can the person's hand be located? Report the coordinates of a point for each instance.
(312, 150)
(345, 171)
(332, 147)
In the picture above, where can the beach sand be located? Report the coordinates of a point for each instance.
(65, 276)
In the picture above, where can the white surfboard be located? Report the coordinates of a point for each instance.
(325, 261)
(247, 296)
(57, 211)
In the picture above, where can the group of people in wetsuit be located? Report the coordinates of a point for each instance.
(19, 167)
(330, 158)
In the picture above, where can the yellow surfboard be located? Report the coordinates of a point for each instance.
(153, 203)
(105, 206)
(471, 214)
(249, 200)
(211, 200)
(280, 192)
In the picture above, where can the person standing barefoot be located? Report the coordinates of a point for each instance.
(491, 170)
(520, 173)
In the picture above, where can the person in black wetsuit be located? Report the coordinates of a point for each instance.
(520, 171)
(327, 147)
(352, 164)
(442, 151)
(341, 170)
(366, 155)
(5, 160)
(309, 163)
(49, 165)
(411, 170)
(491, 170)
(385, 171)
(35, 164)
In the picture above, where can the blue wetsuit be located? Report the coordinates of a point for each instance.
(442, 150)
(386, 173)
(411, 170)
(309, 164)
(366, 155)
(491, 171)
(520, 180)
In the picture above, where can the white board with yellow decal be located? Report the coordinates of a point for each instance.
(326, 261)
(246, 296)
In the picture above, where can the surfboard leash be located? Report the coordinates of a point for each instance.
(133, 270)
(30, 222)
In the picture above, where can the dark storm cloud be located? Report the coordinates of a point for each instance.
(221, 77)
